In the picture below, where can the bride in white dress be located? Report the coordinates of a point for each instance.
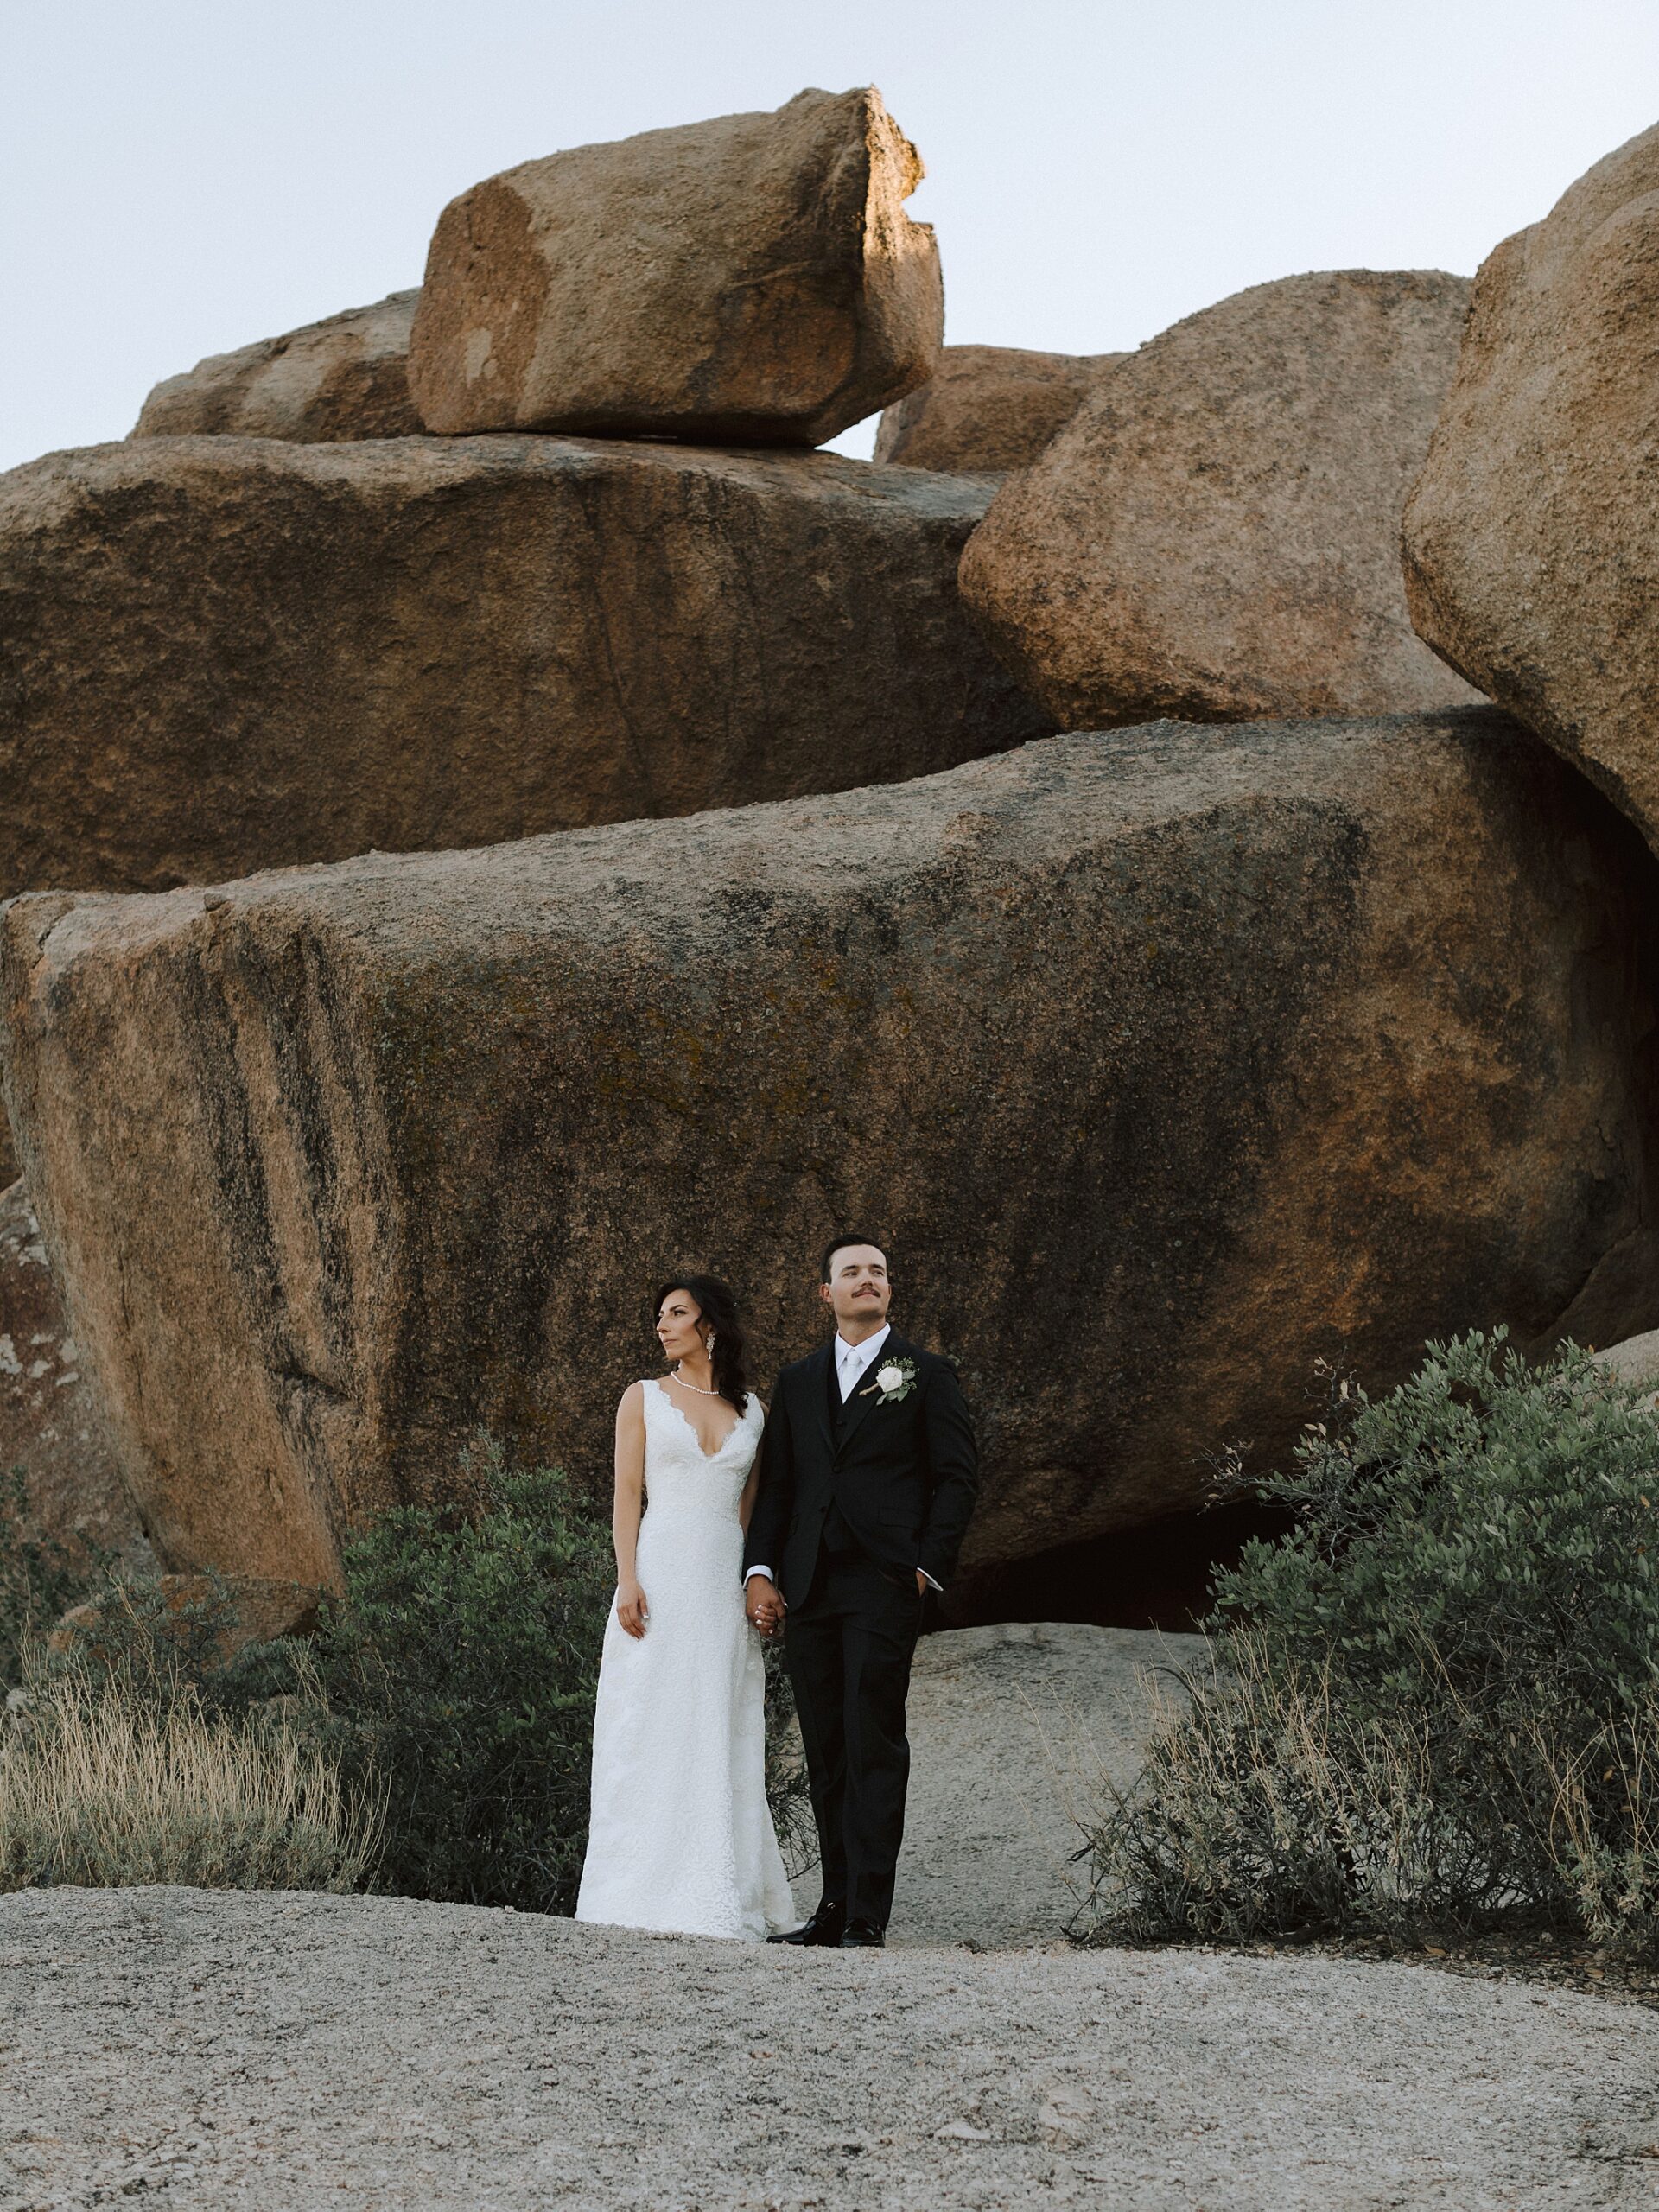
(680, 1836)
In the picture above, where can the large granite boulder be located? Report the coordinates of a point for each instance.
(1216, 533)
(1532, 564)
(223, 654)
(51, 1431)
(1307, 1038)
(753, 280)
(987, 408)
(344, 377)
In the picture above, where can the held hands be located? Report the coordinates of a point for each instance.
(631, 1611)
(763, 1603)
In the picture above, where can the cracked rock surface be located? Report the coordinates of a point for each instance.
(197, 2050)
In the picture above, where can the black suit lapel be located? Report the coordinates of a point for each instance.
(865, 1396)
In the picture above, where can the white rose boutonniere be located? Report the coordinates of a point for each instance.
(894, 1379)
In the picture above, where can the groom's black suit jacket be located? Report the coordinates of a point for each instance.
(904, 1475)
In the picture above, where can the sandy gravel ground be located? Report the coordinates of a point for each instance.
(195, 2049)
(1011, 1729)
(190, 2049)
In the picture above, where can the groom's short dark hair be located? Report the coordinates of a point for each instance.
(839, 1244)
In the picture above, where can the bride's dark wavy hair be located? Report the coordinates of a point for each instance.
(719, 1309)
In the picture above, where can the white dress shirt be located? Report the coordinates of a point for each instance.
(853, 1364)
(853, 1361)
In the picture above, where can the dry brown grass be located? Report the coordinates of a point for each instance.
(100, 1789)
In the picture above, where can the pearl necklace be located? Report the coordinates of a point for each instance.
(698, 1387)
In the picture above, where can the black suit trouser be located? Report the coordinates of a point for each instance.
(849, 1645)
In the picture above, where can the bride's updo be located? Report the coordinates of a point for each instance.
(719, 1311)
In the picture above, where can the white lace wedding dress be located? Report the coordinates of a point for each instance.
(680, 1836)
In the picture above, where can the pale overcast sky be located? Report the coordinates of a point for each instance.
(183, 176)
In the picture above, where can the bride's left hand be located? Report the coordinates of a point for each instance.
(764, 1603)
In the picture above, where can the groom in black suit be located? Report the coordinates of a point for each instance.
(867, 1475)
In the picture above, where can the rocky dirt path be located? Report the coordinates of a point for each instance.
(197, 2050)
(1011, 1728)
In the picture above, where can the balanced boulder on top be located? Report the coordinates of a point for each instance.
(345, 378)
(751, 280)
(1216, 532)
(987, 408)
(1532, 561)
(1282, 1028)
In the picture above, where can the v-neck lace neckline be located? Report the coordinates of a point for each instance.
(676, 1407)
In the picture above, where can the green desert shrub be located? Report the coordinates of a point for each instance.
(1432, 1707)
(458, 1672)
(449, 1686)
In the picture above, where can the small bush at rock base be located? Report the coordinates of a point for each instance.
(458, 1672)
(1435, 1705)
(40, 1576)
(450, 1686)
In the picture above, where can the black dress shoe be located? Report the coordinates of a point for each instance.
(863, 1935)
(822, 1932)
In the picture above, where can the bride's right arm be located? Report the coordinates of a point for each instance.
(629, 1504)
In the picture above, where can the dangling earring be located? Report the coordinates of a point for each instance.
(711, 1343)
